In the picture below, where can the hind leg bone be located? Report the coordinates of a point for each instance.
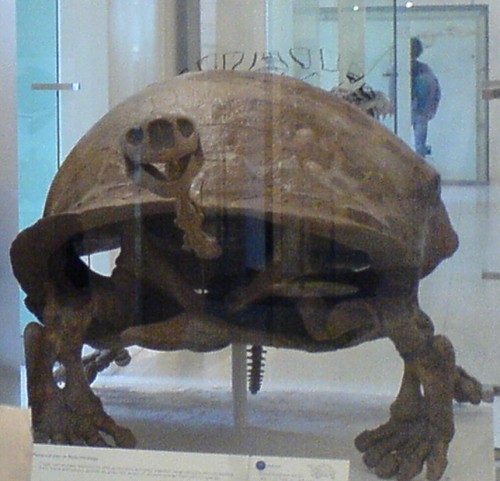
(421, 424)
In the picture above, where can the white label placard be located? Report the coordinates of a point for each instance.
(61, 463)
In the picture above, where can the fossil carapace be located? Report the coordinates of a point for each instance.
(247, 208)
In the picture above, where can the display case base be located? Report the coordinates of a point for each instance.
(302, 424)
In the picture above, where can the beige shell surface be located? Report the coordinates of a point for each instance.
(270, 145)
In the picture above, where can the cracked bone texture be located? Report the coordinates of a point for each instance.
(248, 208)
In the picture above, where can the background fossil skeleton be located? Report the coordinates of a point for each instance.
(188, 177)
(373, 102)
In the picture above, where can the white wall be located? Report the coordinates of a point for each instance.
(10, 339)
(240, 25)
(83, 59)
(142, 45)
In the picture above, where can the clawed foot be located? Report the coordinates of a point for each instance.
(78, 422)
(400, 448)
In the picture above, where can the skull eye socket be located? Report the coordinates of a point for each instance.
(134, 136)
(186, 127)
(161, 133)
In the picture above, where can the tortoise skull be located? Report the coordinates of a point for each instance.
(163, 147)
(248, 208)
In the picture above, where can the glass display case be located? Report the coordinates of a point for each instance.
(202, 184)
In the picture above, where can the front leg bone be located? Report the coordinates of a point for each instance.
(190, 220)
(69, 414)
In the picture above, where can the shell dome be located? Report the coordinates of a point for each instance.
(267, 145)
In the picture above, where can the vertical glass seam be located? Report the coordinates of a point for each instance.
(395, 64)
(58, 77)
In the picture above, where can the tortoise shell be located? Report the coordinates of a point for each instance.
(253, 143)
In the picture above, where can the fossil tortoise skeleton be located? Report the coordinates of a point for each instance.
(248, 208)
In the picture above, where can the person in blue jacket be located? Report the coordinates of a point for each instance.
(425, 97)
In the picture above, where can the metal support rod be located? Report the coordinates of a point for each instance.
(239, 384)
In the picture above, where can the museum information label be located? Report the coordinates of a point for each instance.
(59, 463)
(16, 444)
(296, 469)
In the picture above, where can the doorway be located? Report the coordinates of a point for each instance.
(455, 46)
(455, 40)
